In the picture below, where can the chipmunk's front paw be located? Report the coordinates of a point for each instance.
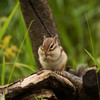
(60, 73)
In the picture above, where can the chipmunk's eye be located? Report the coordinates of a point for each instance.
(52, 45)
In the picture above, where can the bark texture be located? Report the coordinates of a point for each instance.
(43, 24)
(53, 86)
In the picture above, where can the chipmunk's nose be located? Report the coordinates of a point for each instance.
(45, 54)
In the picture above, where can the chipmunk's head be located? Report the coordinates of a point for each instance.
(49, 44)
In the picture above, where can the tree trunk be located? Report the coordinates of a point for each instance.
(43, 24)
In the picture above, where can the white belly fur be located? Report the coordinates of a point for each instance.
(55, 65)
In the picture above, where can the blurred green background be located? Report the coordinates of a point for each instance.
(74, 34)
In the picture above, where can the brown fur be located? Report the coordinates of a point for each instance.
(47, 42)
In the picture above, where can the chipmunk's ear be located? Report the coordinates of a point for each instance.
(44, 37)
(56, 38)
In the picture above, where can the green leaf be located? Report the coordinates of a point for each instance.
(91, 41)
(4, 27)
(3, 72)
(90, 56)
(19, 52)
(24, 65)
(98, 68)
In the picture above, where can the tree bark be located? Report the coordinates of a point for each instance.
(43, 24)
(53, 86)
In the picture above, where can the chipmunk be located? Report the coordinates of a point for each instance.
(51, 55)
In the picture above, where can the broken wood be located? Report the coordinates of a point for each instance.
(91, 83)
(53, 86)
(35, 84)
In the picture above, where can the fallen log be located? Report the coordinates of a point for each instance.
(91, 83)
(51, 83)
(53, 86)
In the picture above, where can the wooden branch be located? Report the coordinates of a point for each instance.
(91, 83)
(54, 86)
(43, 22)
(77, 81)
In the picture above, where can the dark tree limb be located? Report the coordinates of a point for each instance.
(91, 83)
(43, 22)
